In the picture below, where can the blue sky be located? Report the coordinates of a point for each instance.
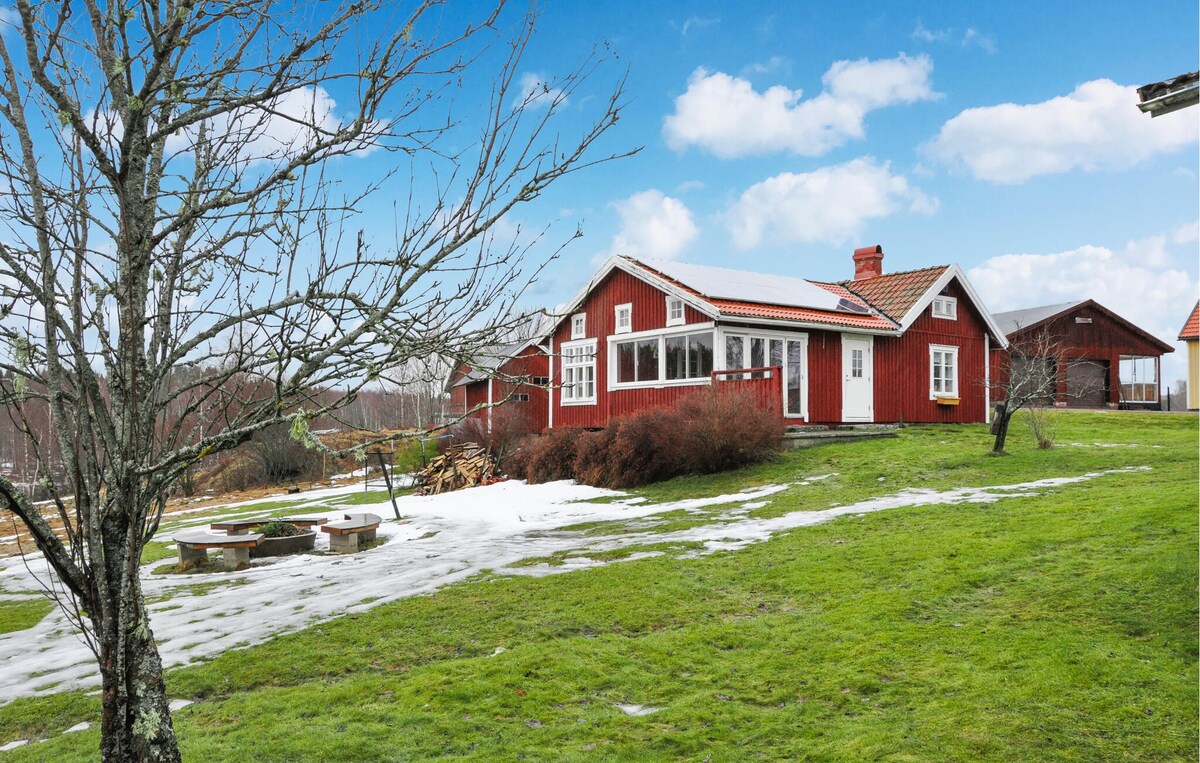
(1000, 136)
(777, 137)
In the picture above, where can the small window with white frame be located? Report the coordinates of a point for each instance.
(624, 319)
(579, 326)
(674, 311)
(943, 371)
(579, 373)
(945, 308)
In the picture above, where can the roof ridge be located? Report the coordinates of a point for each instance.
(889, 275)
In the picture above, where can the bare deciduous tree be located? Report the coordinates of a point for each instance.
(173, 271)
(1027, 376)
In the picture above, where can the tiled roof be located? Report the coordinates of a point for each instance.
(752, 310)
(1191, 329)
(894, 294)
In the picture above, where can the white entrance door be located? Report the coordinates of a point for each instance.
(858, 395)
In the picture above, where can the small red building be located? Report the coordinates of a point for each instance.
(1101, 360)
(509, 382)
(899, 347)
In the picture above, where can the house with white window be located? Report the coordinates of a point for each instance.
(901, 347)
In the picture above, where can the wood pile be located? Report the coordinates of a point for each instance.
(466, 465)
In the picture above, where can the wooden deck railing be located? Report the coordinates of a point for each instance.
(762, 382)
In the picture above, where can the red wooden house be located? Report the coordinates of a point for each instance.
(899, 347)
(1100, 359)
(508, 381)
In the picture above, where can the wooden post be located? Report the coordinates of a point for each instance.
(387, 478)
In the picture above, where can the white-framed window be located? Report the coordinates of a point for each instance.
(579, 373)
(1139, 379)
(579, 326)
(661, 358)
(674, 311)
(943, 371)
(624, 318)
(856, 364)
(945, 308)
(520, 397)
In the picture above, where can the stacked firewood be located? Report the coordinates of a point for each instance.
(466, 465)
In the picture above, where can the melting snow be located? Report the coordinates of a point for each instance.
(445, 539)
(637, 710)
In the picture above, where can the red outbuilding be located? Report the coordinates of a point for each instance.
(1100, 359)
(504, 387)
(882, 348)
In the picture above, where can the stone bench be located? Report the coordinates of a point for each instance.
(346, 535)
(241, 526)
(235, 549)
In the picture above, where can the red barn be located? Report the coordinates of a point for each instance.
(899, 347)
(1101, 360)
(509, 381)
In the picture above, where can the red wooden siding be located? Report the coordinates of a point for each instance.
(530, 362)
(649, 312)
(1104, 340)
(824, 378)
(902, 367)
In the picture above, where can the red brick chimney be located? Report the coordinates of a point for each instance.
(868, 262)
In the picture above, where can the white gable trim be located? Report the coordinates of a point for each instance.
(620, 263)
(952, 272)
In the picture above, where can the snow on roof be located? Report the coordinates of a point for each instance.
(743, 286)
(1013, 320)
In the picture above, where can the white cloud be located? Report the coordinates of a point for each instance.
(537, 92)
(924, 34)
(280, 128)
(974, 38)
(1188, 233)
(696, 22)
(728, 117)
(771, 65)
(1097, 126)
(831, 204)
(653, 225)
(1138, 282)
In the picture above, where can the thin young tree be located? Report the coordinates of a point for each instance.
(1027, 376)
(177, 269)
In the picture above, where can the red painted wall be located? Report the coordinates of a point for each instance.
(902, 368)
(649, 312)
(824, 378)
(1104, 339)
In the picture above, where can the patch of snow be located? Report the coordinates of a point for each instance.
(13, 745)
(472, 530)
(78, 727)
(499, 650)
(179, 704)
(637, 710)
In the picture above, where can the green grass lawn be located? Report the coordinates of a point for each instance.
(1061, 627)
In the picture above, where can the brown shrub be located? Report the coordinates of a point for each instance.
(726, 430)
(552, 456)
(648, 446)
(592, 456)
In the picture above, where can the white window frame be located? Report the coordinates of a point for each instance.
(662, 336)
(579, 326)
(1136, 363)
(573, 367)
(677, 320)
(746, 335)
(623, 311)
(945, 308)
(952, 351)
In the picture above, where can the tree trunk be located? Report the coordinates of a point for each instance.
(1002, 431)
(136, 721)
